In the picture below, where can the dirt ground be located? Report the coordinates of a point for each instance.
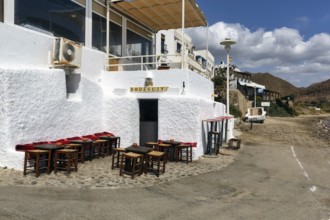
(281, 172)
(306, 129)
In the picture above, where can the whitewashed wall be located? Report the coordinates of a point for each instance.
(195, 84)
(38, 103)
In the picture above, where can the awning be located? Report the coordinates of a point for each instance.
(251, 84)
(163, 14)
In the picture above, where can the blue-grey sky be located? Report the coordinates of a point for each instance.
(288, 38)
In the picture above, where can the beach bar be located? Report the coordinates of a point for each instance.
(73, 68)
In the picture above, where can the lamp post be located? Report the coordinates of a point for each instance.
(227, 43)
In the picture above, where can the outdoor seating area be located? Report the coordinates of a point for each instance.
(65, 154)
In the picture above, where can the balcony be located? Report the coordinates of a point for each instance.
(157, 62)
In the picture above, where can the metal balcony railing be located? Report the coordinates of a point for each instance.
(154, 62)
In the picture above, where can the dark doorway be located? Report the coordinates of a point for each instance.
(148, 120)
(1, 11)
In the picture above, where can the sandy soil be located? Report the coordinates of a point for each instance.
(308, 130)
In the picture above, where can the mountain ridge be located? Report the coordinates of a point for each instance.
(314, 92)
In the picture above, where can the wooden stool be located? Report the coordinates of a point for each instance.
(66, 159)
(184, 153)
(103, 147)
(232, 141)
(133, 164)
(154, 158)
(37, 160)
(116, 155)
(165, 148)
(96, 149)
(79, 148)
(153, 145)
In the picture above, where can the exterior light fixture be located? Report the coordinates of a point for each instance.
(227, 43)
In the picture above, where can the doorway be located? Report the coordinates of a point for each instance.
(1, 11)
(148, 120)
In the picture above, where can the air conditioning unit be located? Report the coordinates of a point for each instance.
(67, 53)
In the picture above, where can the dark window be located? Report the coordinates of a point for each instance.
(137, 45)
(1, 11)
(162, 44)
(56, 17)
(178, 47)
(99, 35)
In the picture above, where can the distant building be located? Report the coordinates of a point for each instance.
(169, 47)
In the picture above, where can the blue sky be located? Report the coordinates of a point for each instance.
(287, 38)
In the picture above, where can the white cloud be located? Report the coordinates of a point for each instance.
(282, 51)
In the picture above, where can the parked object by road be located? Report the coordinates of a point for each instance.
(256, 114)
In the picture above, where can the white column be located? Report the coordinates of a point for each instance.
(9, 11)
(108, 30)
(183, 46)
(88, 23)
(227, 82)
(207, 49)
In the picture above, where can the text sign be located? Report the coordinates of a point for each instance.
(265, 104)
(149, 89)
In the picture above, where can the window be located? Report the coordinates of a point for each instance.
(1, 11)
(55, 17)
(178, 47)
(99, 35)
(163, 46)
(137, 45)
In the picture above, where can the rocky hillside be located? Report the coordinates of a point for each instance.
(274, 83)
(316, 92)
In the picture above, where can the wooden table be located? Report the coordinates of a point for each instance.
(85, 144)
(139, 150)
(173, 155)
(113, 141)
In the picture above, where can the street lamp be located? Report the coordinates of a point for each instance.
(227, 43)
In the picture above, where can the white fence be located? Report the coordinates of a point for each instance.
(157, 62)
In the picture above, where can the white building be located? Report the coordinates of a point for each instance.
(40, 101)
(172, 53)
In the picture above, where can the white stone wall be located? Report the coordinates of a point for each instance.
(36, 108)
(39, 104)
(195, 85)
(121, 116)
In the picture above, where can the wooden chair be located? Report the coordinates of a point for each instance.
(37, 160)
(232, 142)
(66, 159)
(156, 162)
(131, 164)
(167, 148)
(116, 155)
(79, 148)
(103, 147)
(184, 152)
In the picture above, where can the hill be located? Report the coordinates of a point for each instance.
(274, 83)
(317, 92)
